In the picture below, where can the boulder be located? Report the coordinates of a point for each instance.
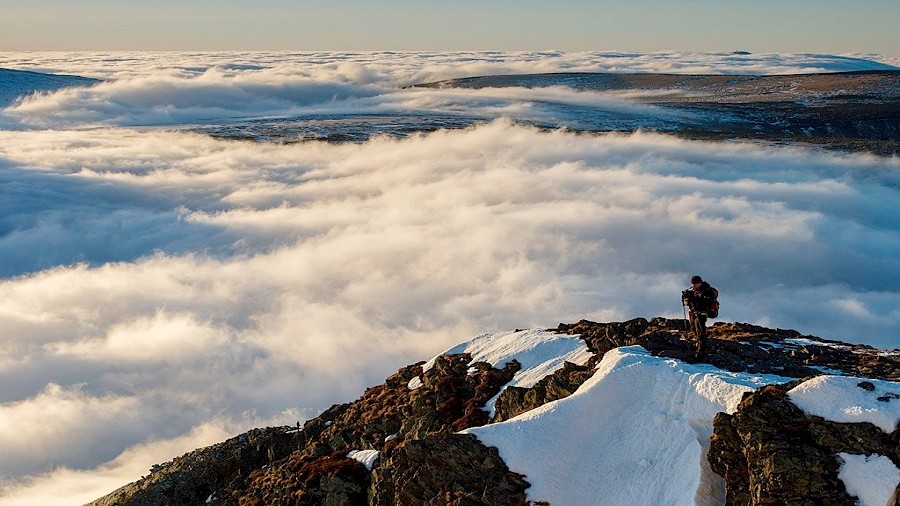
(770, 452)
(444, 469)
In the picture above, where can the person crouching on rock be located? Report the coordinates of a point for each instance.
(702, 301)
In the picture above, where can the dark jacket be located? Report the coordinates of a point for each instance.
(700, 299)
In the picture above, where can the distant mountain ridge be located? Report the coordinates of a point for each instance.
(17, 83)
(772, 417)
(851, 111)
(857, 110)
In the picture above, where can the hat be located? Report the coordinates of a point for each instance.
(696, 279)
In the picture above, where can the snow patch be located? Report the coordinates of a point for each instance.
(827, 370)
(365, 457)
(414, 383)
(841, 399)
(810, 342)
(871, 478)
(638, 429)
(540, 352)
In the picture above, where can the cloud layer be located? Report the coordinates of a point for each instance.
(404, 68)
(187, 88)
(321, 268)
(165, 289)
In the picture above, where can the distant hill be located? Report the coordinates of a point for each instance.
(17, 83)
(855, 111)
(587, 413)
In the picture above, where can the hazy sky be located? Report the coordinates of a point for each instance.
(832, 26)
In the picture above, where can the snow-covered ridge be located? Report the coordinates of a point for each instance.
(848, 400)
(638, 430)
(539, 352)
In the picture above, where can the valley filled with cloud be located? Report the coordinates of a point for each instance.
(163, 289)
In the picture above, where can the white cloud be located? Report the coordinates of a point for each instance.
(403, 68)
(164, 99)
(160, 338)
(187, 88)
(59, 424)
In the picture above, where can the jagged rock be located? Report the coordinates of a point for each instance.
(449, 399)
(742, 347)
(194, 477)
(560, 384)
(770, 452)
(310, 463)
(446, 469)
(330, 480)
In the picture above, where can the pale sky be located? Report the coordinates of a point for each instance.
(831, 26)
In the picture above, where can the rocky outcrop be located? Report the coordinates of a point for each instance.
(732, 346)
(742, 347)
(770, 452)
(307, 480)
(447, 469)
(563, 383)
(386, 418)
(310, 466)
(195, 477)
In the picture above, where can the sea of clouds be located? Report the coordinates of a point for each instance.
(163, 290)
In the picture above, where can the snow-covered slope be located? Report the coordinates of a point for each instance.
(17, 83)
(637, 432)
(539, 352)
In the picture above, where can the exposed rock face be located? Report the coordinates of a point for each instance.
(310, 466)
(193, 477)
(563, 383)
(333, 479)
(743, 347)
(447, 469)
(769, 451)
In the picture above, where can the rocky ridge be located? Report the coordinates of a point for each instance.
(768, 451)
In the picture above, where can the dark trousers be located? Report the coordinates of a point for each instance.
(698, 327)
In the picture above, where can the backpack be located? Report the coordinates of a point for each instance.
(713, 310)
